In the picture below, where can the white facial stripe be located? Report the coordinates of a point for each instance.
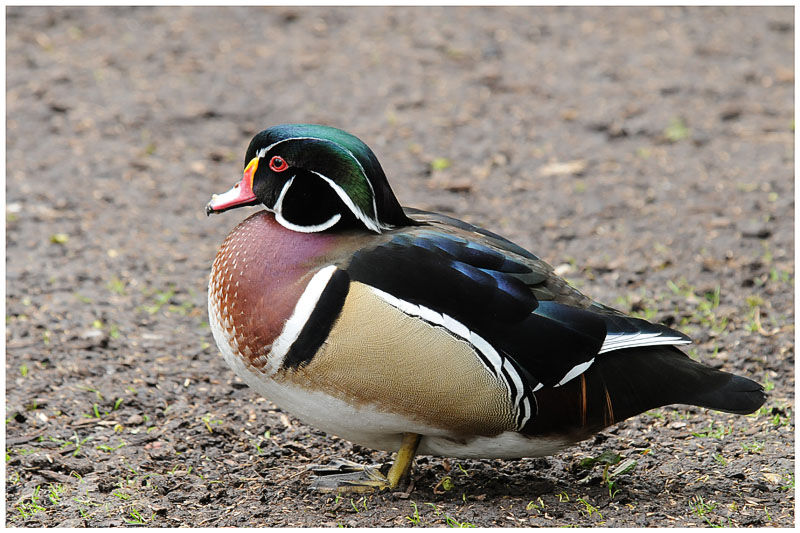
(263, 151)
(371, 189)
(577, 370)
(302, 311)
(279, 202)
(618, 341)
(372, 224)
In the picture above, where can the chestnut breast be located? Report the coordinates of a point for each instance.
(260, 272)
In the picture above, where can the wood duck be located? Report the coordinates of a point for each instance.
(410, 331)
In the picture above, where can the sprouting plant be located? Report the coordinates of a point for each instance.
(116, 286)
(717, 433)
(107, 448)
(677, 130)
(121, 495)
(137, 518)
(702, 508)
(96, 392)
(440, 163)
(27, 509)
(445, 484)
(452, 522)
(207, 420)
(753, 447)
(414, 518)
(73, 440)
(532, 506)
(354, 504)
(589, 509)
(95, 412)
(161, 298)
(54, 494)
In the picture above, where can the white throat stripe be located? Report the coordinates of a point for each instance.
(302, 312)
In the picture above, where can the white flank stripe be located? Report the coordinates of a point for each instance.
(302, 311)
(515, 379)
(456, 327)
(615, 337)
(577, 370)
(406, 307)
(486, 349)
(617, 341)
(430, 315)
(538, 386)
(527, 417)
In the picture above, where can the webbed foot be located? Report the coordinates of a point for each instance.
(346, 476)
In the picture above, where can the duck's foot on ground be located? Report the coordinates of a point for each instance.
(342, 475)
(346, 476)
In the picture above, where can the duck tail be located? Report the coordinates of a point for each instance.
(625, 383)
(645, 378)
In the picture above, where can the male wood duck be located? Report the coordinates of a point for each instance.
(409, 331)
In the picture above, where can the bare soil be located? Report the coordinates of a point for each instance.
(647, 153)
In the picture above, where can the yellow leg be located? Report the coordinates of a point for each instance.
(405, 458)
(345, 476)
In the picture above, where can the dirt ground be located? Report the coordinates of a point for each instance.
(647, 153)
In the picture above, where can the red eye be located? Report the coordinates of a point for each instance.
(278, 164)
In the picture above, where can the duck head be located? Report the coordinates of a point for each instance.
(314, 178)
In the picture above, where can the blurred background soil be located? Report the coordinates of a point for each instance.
(647, 153)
